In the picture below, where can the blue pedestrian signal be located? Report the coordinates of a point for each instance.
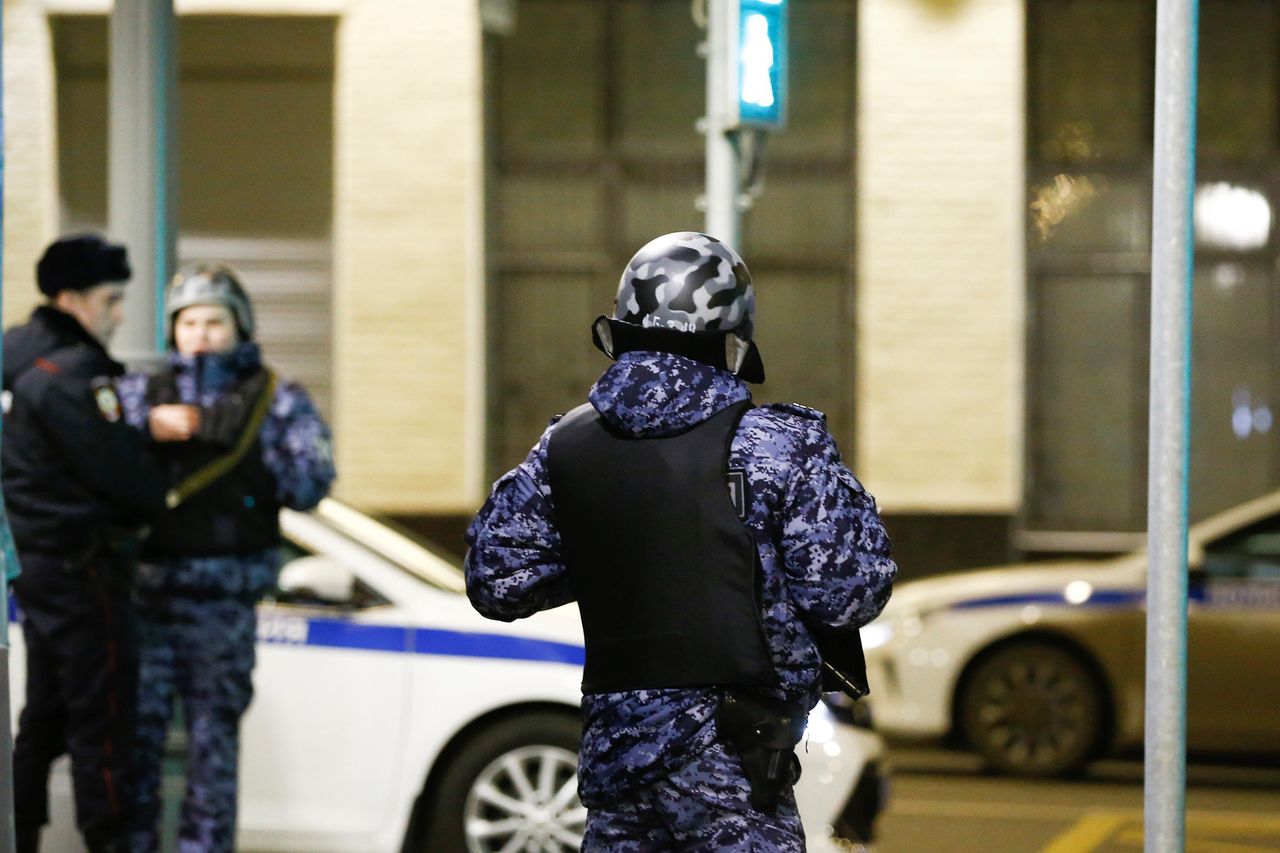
(759, 59)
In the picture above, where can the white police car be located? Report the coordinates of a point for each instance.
(390, 716)
(1041, 667)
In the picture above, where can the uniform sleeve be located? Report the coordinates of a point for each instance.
(834, 545)
(298, 449)
(101, 448)
(514, 566)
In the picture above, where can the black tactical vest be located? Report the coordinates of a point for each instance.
(238, 512)
(667, 577)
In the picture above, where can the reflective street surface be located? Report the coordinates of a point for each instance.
(940, 802)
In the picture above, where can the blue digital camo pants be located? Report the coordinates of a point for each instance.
(703, 807)
(201, 652)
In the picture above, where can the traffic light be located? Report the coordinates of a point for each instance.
(756, 31)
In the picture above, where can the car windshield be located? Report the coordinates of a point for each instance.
(395, 543)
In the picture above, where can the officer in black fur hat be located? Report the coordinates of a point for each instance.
(78, 488)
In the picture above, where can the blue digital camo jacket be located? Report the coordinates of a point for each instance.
(823, 549)
(296, 447)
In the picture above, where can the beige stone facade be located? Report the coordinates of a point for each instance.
(408, 345)
(30, 174)
(939, 245)
(940, 253)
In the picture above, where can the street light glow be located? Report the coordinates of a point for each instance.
(1231, 217)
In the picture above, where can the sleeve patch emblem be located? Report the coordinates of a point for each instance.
(737, 479)
(104, 394)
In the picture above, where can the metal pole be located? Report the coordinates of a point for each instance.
(723, 220)
(1172, 252)
(8, 563)
(140, 184)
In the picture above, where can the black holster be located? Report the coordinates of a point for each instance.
(763, 733)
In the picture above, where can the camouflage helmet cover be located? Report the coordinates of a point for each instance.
(688, 282)
(688, 294)
(209, 284)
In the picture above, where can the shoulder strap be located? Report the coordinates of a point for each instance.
(199, 480)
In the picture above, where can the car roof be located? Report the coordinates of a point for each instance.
(393, 543)
(1236, 517)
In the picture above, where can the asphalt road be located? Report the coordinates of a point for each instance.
(942, 802)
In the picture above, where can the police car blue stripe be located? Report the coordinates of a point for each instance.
(398, 639)
(1099, 598)
(432, 641)
(345, 634)
(340, 634)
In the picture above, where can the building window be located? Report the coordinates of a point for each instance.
(1091, 90)
(593, 150)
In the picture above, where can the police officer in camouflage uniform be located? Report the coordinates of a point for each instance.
(707, 542)
(258, 444)
(78, 488)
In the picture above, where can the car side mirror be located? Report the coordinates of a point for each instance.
(317, 579)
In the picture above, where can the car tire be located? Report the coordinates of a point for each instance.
(517, 777)
(1033, 709)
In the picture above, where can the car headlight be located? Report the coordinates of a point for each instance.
(876, 634)
(840, 707)
(822, 724)
(905, 622)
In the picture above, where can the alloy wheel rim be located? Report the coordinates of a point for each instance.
(1034, 712)
(526, 801)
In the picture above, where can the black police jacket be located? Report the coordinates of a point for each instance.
(666, 576)
(72, 468)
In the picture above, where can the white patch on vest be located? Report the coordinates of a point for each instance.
(737, 479)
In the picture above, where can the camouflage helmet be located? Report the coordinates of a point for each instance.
(688, 282)
(689, 294)
(209, 284)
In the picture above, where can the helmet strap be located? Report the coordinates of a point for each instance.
(725, 350)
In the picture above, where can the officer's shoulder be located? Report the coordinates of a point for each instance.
(65, 367)
(77, 361)
(783, 425)
(580, 411)
(791, 416)
(290, 396)
(796, 410)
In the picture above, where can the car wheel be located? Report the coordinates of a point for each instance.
(512, 787)
(1032, 709)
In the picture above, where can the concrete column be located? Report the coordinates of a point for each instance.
(408, 302)
(140, 183)
(30, 140)
(941, 285)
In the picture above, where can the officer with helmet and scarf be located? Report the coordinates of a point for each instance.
(239, 443)
(711, 545)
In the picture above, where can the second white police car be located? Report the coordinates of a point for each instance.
(1041, 667)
